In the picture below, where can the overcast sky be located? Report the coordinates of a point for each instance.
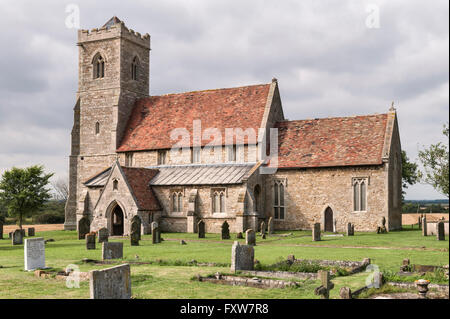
(331, 58)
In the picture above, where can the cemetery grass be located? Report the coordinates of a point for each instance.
(169, 274)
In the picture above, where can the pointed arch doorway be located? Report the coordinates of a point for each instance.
(117, 221)
(328, 220)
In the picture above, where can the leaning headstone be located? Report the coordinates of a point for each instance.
(1, 230)
(31, 232)
(17, 237)
(263, 229)
(156, 237)
(250, 238)
(424, 226)
(112, 250)
(134, 238)
(34, 252)
(103, 235)
(270, 226)
(440, 231)
(136, 226)
(83, 227)
(350, 229)
(242, 257)
(225, 230)
(90, 241)
(110, 283)
(316, 232)
(201, 229)
(324, 290)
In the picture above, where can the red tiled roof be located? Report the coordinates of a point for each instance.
(153, 118)
(139, 181)
(327, 142)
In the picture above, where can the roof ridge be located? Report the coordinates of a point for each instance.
(333, 117)
(210, 90)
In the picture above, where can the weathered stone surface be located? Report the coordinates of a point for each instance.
(17, 237)
(250, 238)
(324, 290)
(90, 241)
(242, 257)
(134, 238)
(83, 227)
(440, 231)
(103, 235)
(136, 225)
(110, 283)
(225, 230)
(316, 232)
(156, 235)
(263, 229)
(201, 229)
(34, 252)
(345, 293)
(424, 226)
(350, 229)
(112, 250)
(31, 232)
(270, 226)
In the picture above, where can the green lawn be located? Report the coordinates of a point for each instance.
(170, 281)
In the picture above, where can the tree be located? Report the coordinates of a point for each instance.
(23, 190)
(62, 189)
(435, 163)
(409, 173)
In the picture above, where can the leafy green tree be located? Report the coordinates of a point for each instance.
(435, 163)
(23, 190)
(409, 173)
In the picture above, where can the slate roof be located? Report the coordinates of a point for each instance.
(98, 180)
(201, 174)
(153, 118)
(138, 179)
(328, 142)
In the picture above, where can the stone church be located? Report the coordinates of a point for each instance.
(127, 158)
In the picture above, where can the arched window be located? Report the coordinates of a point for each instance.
(99, 67)
(174, 202)
(180, 202)
(177, 201)
(115, 184)
(134, 68)
(218, 201)
(278, 200)
(359, 186)
(97, 128)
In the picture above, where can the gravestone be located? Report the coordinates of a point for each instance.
(225, 230)
(17, 237)
(134, 238)
(201, 229)
(23, 233)
(112, 250)
(90, 241)
(34, 252)
(103, 235)
(10, 234)
(350, 229)
(1, 230)
(440, 231)
(345, 293)
(136, 226)
(382, 229)
(419, 222)
(31, 231)
(263, 229)
(83, 227)
(324, 290)
(424, 226)
(316, 232)
(239, 236)
(270, 226)
(110, 283)
(334, 226)
(156, 236)
(242, 257)
(250, 238)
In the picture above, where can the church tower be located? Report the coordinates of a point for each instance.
(113, 72)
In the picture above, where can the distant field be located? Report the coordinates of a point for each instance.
(412, 218)
(38, 228)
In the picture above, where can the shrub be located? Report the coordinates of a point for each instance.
(48, 218)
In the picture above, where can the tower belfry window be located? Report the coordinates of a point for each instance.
(99, 67)
(134, 69)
